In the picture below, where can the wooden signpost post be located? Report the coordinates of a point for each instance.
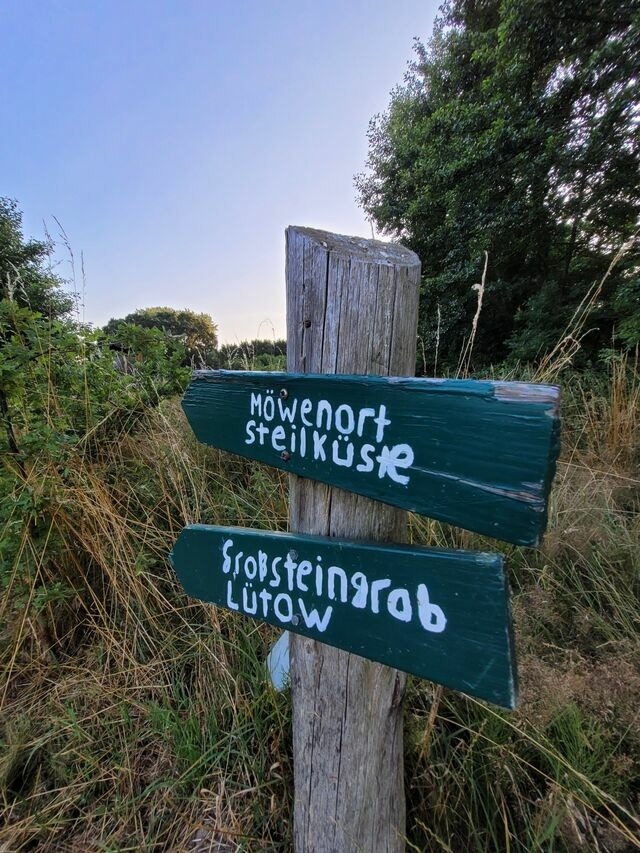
(364, 445)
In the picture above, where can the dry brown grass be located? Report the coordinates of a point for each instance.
(133, 718)
(129, 712)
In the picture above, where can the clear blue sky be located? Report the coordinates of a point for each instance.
(175, 141)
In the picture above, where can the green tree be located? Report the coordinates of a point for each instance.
(57, 379)
(258, 354)
(515, 133)
(197, 332)
(24, 276)
(27, 288)
(62, 399)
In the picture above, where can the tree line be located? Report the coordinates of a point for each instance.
(198, 335)
(29, 286)
(508, 159)
(514, 139)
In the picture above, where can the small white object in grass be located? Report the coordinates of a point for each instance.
(278, 662)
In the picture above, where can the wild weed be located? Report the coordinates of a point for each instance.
(133, 718)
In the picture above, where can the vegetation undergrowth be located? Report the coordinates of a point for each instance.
(562, 773)
(133, 718)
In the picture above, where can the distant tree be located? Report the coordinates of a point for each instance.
(56, 379)
(27, 288)
(197, 332)
(253, 355)
(24, 276)
(515, 133)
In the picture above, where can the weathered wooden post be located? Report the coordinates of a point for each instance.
(352, 307)
(478, 454)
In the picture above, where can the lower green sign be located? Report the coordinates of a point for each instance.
(442, 615)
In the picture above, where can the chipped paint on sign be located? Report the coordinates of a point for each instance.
(480, 455)
(442, 615)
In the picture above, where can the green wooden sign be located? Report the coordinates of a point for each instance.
(477, 454)
(442, 615)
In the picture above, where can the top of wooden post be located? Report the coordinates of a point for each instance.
(359, 248)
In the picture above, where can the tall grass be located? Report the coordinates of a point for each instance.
(133, 718)
(562, 773)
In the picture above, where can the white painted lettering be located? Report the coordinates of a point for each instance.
(230, 602)
(345, 462)
(365, 452)
(307, 577)
(262, 430)
(345, 412)
(276, 437)
(263, 567)
(265, 597)
(324, 406)
(333, 572)
(282, 597)
(236, 567)
(305, 407)
(287, 413)
(362, 416)
(318, 442)
(290, 566)
(226, 563)
(431, 616)
(361, 585)
(256, 404)
(381, 422)
(399, 605)
(312, 618)
(304, 568)
(252, 608)
(275, 574)
(268, 409)
(250, 567)
(399, 456)
(376, 586)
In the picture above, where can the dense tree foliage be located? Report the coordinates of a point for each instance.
(63, 398)
(516, 133)
(24, 275)
(197, 332)
(58, 380)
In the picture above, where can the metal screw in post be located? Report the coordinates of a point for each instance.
(295, 620)
(285, 456)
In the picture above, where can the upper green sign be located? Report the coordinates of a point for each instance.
(443, 615)
(480, 455)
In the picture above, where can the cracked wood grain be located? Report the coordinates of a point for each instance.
(352, 307)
